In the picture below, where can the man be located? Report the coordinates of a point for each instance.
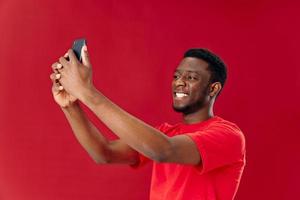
(200, 158)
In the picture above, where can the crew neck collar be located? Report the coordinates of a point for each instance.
(202, 123)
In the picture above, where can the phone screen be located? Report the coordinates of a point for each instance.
(77, 46)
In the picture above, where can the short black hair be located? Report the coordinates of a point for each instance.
(216, 65)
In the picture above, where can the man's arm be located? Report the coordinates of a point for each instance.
(76, 79)
(97, 146)
(139, 135)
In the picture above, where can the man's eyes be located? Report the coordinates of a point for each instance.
(192, 78)
(175, 76)
(188, 77)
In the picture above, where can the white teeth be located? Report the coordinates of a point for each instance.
(180, 95)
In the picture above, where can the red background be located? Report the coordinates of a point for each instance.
(134, 47)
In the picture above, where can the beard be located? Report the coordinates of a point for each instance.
(194, 106)
(190, 108)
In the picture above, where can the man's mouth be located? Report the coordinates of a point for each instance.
(180, 94)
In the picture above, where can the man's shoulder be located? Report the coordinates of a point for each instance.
(214, 124)
(227, 128)
(226, 124)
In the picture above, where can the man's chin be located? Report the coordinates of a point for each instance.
(180, 109)
(188, 109)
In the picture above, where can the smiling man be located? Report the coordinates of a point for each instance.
(201, 157)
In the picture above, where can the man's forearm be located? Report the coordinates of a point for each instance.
(86, 133)
(131, 130)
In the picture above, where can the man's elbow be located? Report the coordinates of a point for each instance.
(162, 155)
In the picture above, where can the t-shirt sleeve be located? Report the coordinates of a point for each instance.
(143, 159)
(219, 145)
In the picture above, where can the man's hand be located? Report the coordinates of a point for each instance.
(61, 97)
(75, 77)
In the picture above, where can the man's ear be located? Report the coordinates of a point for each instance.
(215, 88)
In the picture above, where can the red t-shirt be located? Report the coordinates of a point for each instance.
(221, 145)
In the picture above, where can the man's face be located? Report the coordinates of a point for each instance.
(190, 85)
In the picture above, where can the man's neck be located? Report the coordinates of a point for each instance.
(199, 116)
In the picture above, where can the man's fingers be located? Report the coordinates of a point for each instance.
(55, 76)
(63, 61)
(52, 77)
(53, 66)
(56, 88)
(66, 55)
(59, 66)
(72, 56)
(56, 66)
(85, 56)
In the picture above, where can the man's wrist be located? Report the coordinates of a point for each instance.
(70, 107)
(91, 97)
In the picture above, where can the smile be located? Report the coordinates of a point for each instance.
(180, 94)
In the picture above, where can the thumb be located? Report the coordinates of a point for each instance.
(85, 56)
(55, 90)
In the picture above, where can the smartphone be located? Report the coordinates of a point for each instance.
(77, 46)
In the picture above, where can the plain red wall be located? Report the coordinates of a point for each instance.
(134, 47)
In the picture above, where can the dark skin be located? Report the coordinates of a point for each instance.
(74, 83)
(192, 78)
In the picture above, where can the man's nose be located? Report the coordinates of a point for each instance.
(180, 82)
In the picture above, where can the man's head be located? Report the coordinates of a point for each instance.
(198, 80)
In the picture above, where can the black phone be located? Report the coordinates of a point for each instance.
(77, 46)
